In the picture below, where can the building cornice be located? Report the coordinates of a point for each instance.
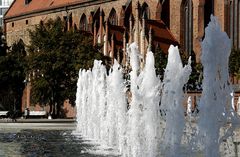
(55, 9)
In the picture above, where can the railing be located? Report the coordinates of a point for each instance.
(3, 113)
(37, 113)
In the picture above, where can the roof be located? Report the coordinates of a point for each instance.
(161, 34)
(19, 7)
(118, 32)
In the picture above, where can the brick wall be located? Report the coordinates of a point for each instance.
(20, 29)
(195, 97)
(17, 27)
(198, 21)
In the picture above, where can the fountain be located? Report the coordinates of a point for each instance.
(147, 118)
(189, 106)
(238, 105)
(144, 113)
(172, 100)
(215, 103)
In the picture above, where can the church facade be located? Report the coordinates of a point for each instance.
(114, 23)
(152, 24)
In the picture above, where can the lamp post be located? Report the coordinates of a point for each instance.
(25, 102)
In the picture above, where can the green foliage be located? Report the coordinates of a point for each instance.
(234, 63)
(12, 75)
(195, 79)
(160, 62)
(55, 57)
(3, 44)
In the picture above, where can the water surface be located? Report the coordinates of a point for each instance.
(44, 143)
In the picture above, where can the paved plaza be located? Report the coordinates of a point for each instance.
(56, 124)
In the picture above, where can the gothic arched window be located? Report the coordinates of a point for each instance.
(113, 17)
(83, 23)
(70, 20)
(165, 15)
(234, 16)
(208, 11)
(187, 26)
(145, 10)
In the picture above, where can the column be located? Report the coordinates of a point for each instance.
(101, 26)
(95, 33)
(150, 39)
(136, 33)
(112, 47)
(130, 29)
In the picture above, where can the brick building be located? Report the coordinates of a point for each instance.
(114, 23)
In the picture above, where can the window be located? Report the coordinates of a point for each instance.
(113, 17)
(65, 23)
(83, 23)
(187, 26)
(70, 20)
(165, 15)
(3, 11)
(145, 10)
(208, 11)
(12, 24)
(5, 2)
(99, 39)
(27, 1)
(105, 45)
(26, 22)
(1, 21)
(234, 22)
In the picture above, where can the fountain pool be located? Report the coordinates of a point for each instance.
(46, 142)
(143, 116)
(146, 118)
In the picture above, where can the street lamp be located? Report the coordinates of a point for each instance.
(25, 81)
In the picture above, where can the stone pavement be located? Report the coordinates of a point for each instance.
(40, 120)
(43, 124)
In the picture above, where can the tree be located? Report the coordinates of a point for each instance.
(12, 75)
(234, 63)
(55, 57)
(196, 77)
(160, 62)
(3, 43)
